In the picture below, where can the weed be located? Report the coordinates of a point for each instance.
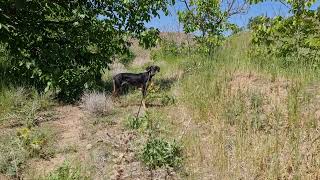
(158, 152)
(258, 119)
(256, 101)
(103, 120)
(70, 149)
(155, 94)
(133, 122)
(16, 149)
(234, 110)
(66, 172)
(38, 142)
(12, 155)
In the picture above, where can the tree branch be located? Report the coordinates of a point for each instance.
(186, 4)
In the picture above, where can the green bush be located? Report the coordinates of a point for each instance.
(169, 48)
(127, 58)
(289, 41)
(158, 152)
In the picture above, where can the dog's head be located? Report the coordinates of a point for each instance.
(153, 70)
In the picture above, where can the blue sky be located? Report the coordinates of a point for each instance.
(171, 23)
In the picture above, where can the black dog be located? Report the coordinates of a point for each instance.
(140, 80)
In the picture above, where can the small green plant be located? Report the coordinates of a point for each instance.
(66, 172)
(156, 94)
(133, 122)
(258, 120)
(162, 98)
(234, 109)
(256, 101)
(167, 100)
(158, 152)
(34, 142)
(12, 155)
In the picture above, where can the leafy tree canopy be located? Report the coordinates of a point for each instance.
(294, 39)
(210, 18)
(64, 46)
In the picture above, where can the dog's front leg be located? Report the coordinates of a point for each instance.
(143, 103)
(144, 93)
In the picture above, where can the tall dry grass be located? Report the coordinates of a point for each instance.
(97, 103)
(246, 120)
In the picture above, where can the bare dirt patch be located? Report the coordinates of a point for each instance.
(69, 128)
(108, 149)
(276, 88)
(273, 91)
(115, 151)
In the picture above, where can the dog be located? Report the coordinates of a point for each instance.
(140, 80)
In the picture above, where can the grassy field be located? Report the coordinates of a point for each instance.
(224, 116)
(245, 118)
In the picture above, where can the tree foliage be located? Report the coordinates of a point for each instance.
(295, 39)
(210, 18)
(64, 45)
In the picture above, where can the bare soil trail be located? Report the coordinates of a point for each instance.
(106, 150)
(69, 129)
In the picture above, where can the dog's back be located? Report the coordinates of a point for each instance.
(130, 78)
(139, 80)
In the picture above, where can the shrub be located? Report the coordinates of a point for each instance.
(127, 58)
(97, 103)
(15, 150)
(12, 155)
(159, 153)
(291, 41)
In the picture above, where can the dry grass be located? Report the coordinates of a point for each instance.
(255, 134)
(117, 68)
(237, 121)
(97, 103)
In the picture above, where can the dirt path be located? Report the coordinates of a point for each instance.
(69, 128)
(110, 151)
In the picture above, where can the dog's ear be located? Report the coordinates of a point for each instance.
(158, 68)
(148, 68)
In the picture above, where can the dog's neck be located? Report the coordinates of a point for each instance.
(149, 75)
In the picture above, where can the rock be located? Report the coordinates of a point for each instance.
(89, 146)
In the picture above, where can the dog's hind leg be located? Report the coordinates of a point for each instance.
(116, 90)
